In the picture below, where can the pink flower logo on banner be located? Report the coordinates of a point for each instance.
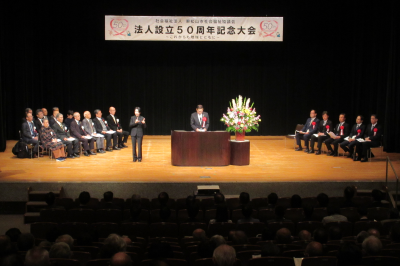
(268, 28)
(119, 26)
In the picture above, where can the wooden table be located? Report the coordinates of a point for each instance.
(210, 148)
(240, 152)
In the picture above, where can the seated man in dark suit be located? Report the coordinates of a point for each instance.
(39, 119)
(27, 110)
(44, 110)
(114, 124)
(373, 136)
(53, 119)
(79, 133)
(342, 130)
(62, 133)
(199, 121)
(101, 126)
(356, 132)
(108, 202)
(310, 128)
(29, 134)
(324, 127)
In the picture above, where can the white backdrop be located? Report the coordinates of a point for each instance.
(138, 28)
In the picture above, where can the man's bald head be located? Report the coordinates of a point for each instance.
(199, 235)
(37, 257)
(283, 236)
(87, 114)
(121, 259)
(374, 232)
(305, 235)
(313, 249)
(111, 110)
(224, 255)
(372, 246)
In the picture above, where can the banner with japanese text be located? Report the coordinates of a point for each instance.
(139, 28)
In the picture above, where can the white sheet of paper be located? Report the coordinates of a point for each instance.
(88, 137)
(315, 135)
(58, 140)
(70, 139)
(110, 132)
(201, 130)
(332, 135)
(98, 135)
(346, 138)
(361, 140)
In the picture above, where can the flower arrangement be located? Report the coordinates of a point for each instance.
(240, 116)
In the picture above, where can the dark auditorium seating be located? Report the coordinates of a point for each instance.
(319, 261)
(271, 261)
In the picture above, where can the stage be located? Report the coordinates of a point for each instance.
(274, 165)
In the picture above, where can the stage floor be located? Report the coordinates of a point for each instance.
(272, 159)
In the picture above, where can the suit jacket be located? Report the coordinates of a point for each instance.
(38, 124)
(195, 123)
(308, 126)
(322, 128)
(26, 133)
(52, 120)
(61, 133)
(346, 130)
(136, 128)
(370, 133)
(353, 131)
(88, 125)
(76, 130)
(97, 125)
(113, 125)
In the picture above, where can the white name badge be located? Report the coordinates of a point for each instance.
(117, 120)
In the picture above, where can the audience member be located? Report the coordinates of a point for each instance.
(283, 236)
(192, 208)
(334, 215)
(136, 208)
(239, 238)
(363, 212)
(304, 235)
(308, 211)
(60, 250)
(121, 259)
(199, 235)
(5, 247)
(377, 196)
(108, 202)
(69, 119)
(219, 198)
(323, 200)
(13, 234)
(37, 257)
(221, 215)
(295, 201)
(50, 199)
(279, 215)
(25, 242)
(361, 237)
(349, 193)
(372, 246)
(335, 233)
(66, 239)
(244, 199)
(84, 199)
(313, 249)
(163, 199)
(247, 211)
(112, 245)
(321, 235)
(374, 232)
(224, 255)
(272, 200)
(217, 241)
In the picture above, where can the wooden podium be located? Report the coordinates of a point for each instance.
(200, 148)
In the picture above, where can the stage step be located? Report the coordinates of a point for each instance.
(40, 195)
(35, 206)
(31, 217)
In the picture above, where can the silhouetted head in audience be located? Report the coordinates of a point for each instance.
(377, 195)
(121, 259)
(25, 242)
(165, 213)
(108, 196)
(192, 207)
(272, 199)
(394, 213)
(136, 207)
(283, 236)
(199, 235)
(374, 232)
(66, 239)
(395, 233)
(321, 235)
(305, 235)
(308, 211)
(361, 237)
(37, 257)
(219, 198)
(349, 193)
(313, 249)
(323, 200)
(13, 234)
(222, 213)
(349, 254)
(267, 234)
(12, 260)
(160, 250)
(163, 198)
(244, 198)
(84, 239)
(239, 238)
(84, 198)
(224, 255)
(270, 250)
(205, 249)
(335, 233)
(332, 210)
(217, 241)
(362, 211)
(60, 250)
(279, 212)
(296, 201)
(112, 245)
(247, 211)
(372, 246)
(5, 246)
(50, 198)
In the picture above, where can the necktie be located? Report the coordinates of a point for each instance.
(372, 128)
(31, 128)
(324, 123)
(114, 119)
(200, 119)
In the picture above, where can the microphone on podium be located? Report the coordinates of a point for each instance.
(204, 122)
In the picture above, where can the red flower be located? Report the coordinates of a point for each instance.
(327, 126)
(341, 127)
(239, 123)
(375, 130)
(313, 123)
(231, 109)
(358, 130)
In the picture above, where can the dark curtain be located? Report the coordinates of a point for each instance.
(337, 56)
